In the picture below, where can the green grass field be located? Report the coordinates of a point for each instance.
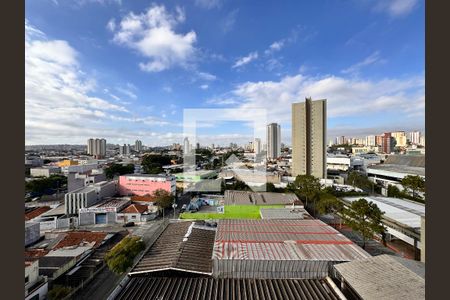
(231, 212)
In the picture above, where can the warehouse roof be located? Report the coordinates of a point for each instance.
(224, 289)
(403, 211)
(407, 170)
(382, 277)
(406, 160)
(283, 240)
(261, 198)
(283, 213)
(181, 247)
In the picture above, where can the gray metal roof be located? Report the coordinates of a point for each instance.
(283, 240)
(283, 213)
(382, 277)
(181, 247)
(406, 160)
(224, 289)
(243, 197)
(398, 169)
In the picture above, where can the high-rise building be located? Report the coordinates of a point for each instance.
(387, 143)
(186, 146)
(422, 141)
(197, 146)
(400, 138)
(138, 146)
(96, 147)
(273, 141)
(257, 146)
(414, 137)
(378, 140)
(90, 146)
(125, 149)
(371, 140)
(309, 128)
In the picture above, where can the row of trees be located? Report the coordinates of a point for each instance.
(45, 185)
(121, 256)
(362, 216)
(117, 170)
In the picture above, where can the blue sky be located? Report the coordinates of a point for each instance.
(125, 70)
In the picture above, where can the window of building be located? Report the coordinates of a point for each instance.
(27, 279)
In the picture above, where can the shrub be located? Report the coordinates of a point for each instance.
(121, 256)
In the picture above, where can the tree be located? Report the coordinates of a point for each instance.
(59, 292)
(364, 217)
(359, 180)
(45, 184)
(306, 186)
(163, 198)
(121, 256)
(118, 169)
(414, 183)
(328, 203)
(152, 164)
(270, 187)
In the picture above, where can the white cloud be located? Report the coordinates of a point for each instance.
(222, 101)
(275, 46)
(245, 60)
(396, 8)
(102, 2)
(206, 76)
(127, 92)
(153, 35)
(167, 89)
(370, 60)
(111, 25)
(208, 4)
(228, 22)
(59, 102)
(204, 86)
(345, 97)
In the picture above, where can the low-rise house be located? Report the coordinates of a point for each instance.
(88, 196)
(36, 286)
(45, 171)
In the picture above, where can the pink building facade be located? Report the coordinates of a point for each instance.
(145, 184)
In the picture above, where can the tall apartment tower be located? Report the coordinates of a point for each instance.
(309, 130)
(96, 147)
(257, 146)
(387, 143)
(138, 146)
(90, 146)
(400, 138)
(186, 146)
(273, 141)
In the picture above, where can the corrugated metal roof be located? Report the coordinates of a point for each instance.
(283, 240)
(402, 211)
(382, 277)
(243, 197)
(224, 289)
(180, 247)
(283, 213)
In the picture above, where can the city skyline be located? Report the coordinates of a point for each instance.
(86, 76)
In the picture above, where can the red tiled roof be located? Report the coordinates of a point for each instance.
(135, 208)
(35, 253)
(75, 238)
(146, 198)
(29, 261)
(36, 212)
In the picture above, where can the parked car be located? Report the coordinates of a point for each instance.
(128, 224)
